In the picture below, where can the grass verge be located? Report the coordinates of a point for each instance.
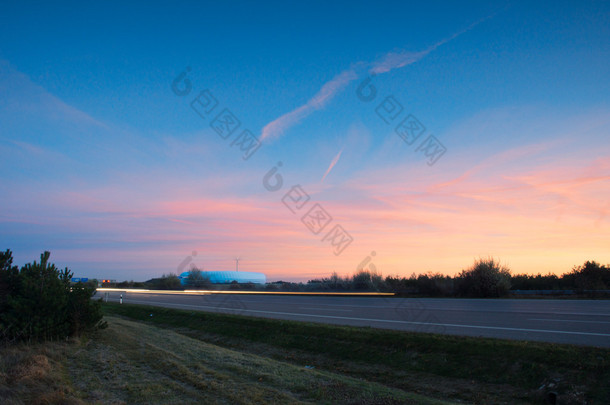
(137, 363)
(36, 374)
(473, 370)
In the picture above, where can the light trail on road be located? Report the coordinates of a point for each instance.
(519, 319)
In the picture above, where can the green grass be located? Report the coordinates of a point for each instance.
(475, 370)
(179, 356)
(147, 364)
(137, 363)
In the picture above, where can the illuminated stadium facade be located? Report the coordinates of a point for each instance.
(227, 277)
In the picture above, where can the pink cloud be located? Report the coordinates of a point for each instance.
(332, 164)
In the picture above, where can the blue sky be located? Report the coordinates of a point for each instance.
(105, 166)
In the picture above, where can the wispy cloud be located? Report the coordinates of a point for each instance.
(22, 96)
(498, 159)
(400, 59)
(327, 92)
(396, 60)
(388, 62)
(332, 164)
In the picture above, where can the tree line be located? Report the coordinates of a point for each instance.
(487, 277)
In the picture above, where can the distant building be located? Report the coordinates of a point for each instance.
(227, 277)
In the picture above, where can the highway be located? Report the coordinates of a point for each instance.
(580, 322)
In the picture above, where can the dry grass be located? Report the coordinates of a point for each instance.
(134, 363)
(35, 374)
(461, 369)
(131, 362)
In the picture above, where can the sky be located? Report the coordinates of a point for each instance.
(305, 137)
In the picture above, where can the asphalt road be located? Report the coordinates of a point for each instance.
(581, 322)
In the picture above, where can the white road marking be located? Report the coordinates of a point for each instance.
(404, 305)
(327, 309)
(423, 306)
(380, 320)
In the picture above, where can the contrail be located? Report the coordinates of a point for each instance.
(332, 164)
(390, 61)
(396, 60)
(323, 96)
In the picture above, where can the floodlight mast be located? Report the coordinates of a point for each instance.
(237, 264)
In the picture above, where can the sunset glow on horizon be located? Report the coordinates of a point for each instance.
(115, 157)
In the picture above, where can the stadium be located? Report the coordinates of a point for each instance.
(227, 277)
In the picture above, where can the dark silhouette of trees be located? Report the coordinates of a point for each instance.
(365, 280)
(39, 302)
(486, 278)
(196, 279)
(589, 276)
(536, 282)
(166, 282)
